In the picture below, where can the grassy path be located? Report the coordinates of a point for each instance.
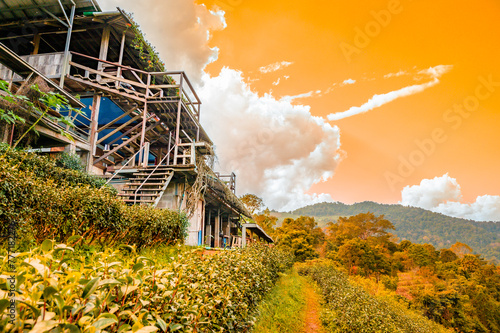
(292, 306)
(313, 308)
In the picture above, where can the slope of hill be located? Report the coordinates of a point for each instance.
(419, 225)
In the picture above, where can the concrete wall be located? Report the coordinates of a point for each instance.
(196, 224)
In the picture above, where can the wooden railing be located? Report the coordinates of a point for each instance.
(140, 84)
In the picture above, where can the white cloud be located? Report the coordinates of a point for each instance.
(179, 29)
(443, 195)
(285, 77)
(290, 99)
(278, 150)
(348, 81)
(378, 100)
(275, 67)
(400, 73)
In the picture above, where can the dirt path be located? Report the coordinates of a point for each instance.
(313, 308)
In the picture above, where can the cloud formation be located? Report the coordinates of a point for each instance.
(378, 100)
(277, 149)
(443, 195)
(179, 29)
(274, 67)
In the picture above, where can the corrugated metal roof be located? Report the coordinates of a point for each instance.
(16, 10)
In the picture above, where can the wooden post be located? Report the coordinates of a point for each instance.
(209, 231)
(103, 51)
(178, 125)
(94, 122)
(217, 229)
(169, 147)
(145, 160)
(120, 58)
(144, 115)
(66, 47)
(203, 222)
(36, 44)
(244, 236)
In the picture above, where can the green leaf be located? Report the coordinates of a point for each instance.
(109, 282)
(108, 315)
(73, 239)
(71, 328)
(44, 326)
(47, 245)
(124, 328)
(36, 312)
(63, 248)
(90, 287)
(148, 329)
(175, 327)
(137, 267)
(162, 324)
(4, 304)
(49, 291)
(99, 324)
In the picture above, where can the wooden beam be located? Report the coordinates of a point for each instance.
(120, 57)
(104, 74)
(94, 121)
(36, 44)
(115, 120)
(129, 131)
(104, 88)
(103, 52)
(118, 129)
(145, 110)
(122, 144)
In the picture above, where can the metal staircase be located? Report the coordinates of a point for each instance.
(147, 185)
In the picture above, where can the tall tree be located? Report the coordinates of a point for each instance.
(302, 236)
(252, 203)
(266, 221)
(364, 226)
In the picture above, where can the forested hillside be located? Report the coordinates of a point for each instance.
(420, 225)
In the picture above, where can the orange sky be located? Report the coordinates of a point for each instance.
(419, 35)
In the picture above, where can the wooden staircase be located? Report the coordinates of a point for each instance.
(147, 185)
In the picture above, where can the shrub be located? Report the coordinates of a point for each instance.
(69, 161)
(44, 167)
(35, 194)
(349, 308)
(114, 292)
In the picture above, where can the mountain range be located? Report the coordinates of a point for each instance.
(416, 225)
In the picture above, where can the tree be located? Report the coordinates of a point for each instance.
(364, 226)
(252, 203)
(266, 221)
(370, 259)
(447, 255)
(461, 249)
(302, 236)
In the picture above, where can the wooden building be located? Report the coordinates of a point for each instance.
(140, 123)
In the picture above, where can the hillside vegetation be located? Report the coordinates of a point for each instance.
(419, 225)
(45, 201)
(349, 308)
(118, 290)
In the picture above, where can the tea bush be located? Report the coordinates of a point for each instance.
(45, 168)
(115, 292)
(69, 161)
(349, 308)
(49, 202)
